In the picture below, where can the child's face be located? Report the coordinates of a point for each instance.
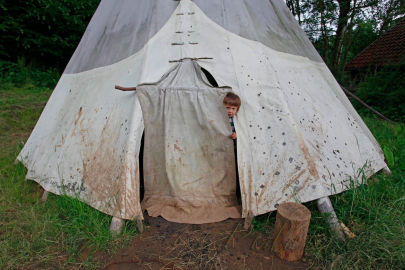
(231, 110)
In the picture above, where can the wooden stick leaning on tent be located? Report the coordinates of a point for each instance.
(366, 105)
(118, 87)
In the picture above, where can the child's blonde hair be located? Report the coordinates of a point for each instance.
(232, 99)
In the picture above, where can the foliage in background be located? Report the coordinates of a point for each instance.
(335, 26)
(43, 32)
(20, 74)
(385, 92)
(364, 34)
(340, 30)
(46, 32)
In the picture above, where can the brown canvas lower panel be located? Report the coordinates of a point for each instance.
(194, 212)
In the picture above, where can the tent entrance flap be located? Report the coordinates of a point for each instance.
(189, 163)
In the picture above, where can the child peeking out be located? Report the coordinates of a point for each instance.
(232, 103)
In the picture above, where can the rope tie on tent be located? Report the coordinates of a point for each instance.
(181, 43)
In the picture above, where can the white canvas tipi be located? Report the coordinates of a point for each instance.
(299, 138)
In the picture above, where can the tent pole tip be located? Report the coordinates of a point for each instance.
(139, 225)
(116, 226)
(44, 196)
(386, 171)
(325, 207)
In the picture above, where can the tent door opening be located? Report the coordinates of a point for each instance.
(213, 82)
(209, 77)
(188, 161)
(141, 180)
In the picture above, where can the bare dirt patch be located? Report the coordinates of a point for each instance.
(222, 245)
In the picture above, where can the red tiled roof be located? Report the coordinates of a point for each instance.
(388, 49)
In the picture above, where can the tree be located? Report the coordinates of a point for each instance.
(334, 25)
(348, 9)
(386, 12)
(44, 31)
(321, 24)
(295, 7)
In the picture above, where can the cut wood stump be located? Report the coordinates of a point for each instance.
(291, 230)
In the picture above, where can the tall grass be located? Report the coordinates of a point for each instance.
(375, 212)
(63, 232)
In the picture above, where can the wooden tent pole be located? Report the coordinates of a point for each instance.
(365, 104)
(44, 196)
(116, 225)
(325, 207)
(248, 221)
(139, 224)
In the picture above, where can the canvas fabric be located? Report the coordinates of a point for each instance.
(188, 161)
(299, 138)
(121, 28)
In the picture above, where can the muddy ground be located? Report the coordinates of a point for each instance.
(220, 246)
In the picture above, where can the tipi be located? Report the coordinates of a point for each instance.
(299, 138)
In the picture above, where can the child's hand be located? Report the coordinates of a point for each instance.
(233, 136)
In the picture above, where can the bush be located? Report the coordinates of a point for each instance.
(19, 74)
(44, 32)
(385, 92)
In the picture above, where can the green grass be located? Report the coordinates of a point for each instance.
(374, 212)
(63, 232)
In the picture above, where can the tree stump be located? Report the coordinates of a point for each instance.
(291, 230)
